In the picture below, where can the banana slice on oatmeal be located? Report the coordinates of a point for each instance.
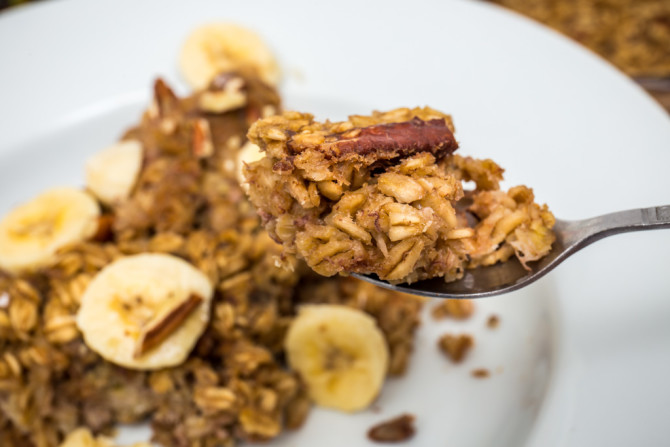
(340, 353)
(32, 233)
(112, 172)
(217, 47)
(145, 311)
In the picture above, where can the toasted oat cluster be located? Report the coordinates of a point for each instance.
(384, 194)
(187, 203)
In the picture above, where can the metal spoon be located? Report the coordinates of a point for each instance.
(571, 236)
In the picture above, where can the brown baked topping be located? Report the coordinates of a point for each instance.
(456, 347)
(397, 429)
(157, 331)
(493, 321)
(382, 194)
(480, 373)
(457, 309)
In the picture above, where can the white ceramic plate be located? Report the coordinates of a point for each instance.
(581, 358)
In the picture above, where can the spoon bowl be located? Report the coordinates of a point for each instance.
(571, 236)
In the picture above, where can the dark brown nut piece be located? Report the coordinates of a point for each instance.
(104, 230)
(456, 347)
(480, 373)
(493, 321)
(457, 309)
(387, 141)
(397, 429)
(160, 330)
(201, 141)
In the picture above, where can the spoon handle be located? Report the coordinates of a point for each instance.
(578, 234)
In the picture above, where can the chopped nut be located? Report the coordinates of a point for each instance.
(493, 321)
(202, 139)
(456, 347)
(104, 232)
(161, 329)
(480, 373)
(397, 429)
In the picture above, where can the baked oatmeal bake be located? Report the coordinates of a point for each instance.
(384, 194)
(156, 295)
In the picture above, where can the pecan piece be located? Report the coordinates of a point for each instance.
(201, 142)
(166, 101)
(397, 429)
(393, 140)
(456, 347)
(480, 373)
(157, 332)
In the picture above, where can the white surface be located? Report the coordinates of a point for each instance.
(584, 352)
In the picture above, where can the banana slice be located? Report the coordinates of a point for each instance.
(112, 172)
(31, 234)
(145, 311)
(218, 47)
(340, 353)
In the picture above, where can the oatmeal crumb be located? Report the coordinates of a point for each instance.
(458, 309)
(456, 347)
(480, 373)
(493, 322)
(398, 429)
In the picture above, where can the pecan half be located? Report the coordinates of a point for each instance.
(157, 332)
(392, 140)
(397, 429)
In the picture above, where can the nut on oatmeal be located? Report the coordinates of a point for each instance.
(398, 429)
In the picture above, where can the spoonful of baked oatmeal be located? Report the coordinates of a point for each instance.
(385, 198)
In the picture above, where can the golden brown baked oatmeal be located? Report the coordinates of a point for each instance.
(456, 347)
(457, 309)
(398, 429)
(633, 34)
(187, 202)
(382, 194)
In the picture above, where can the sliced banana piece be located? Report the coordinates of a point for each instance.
(340, 353)
(248, 154)
(112, 172)
(145, 311)
(217, 47)
(31, 233)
